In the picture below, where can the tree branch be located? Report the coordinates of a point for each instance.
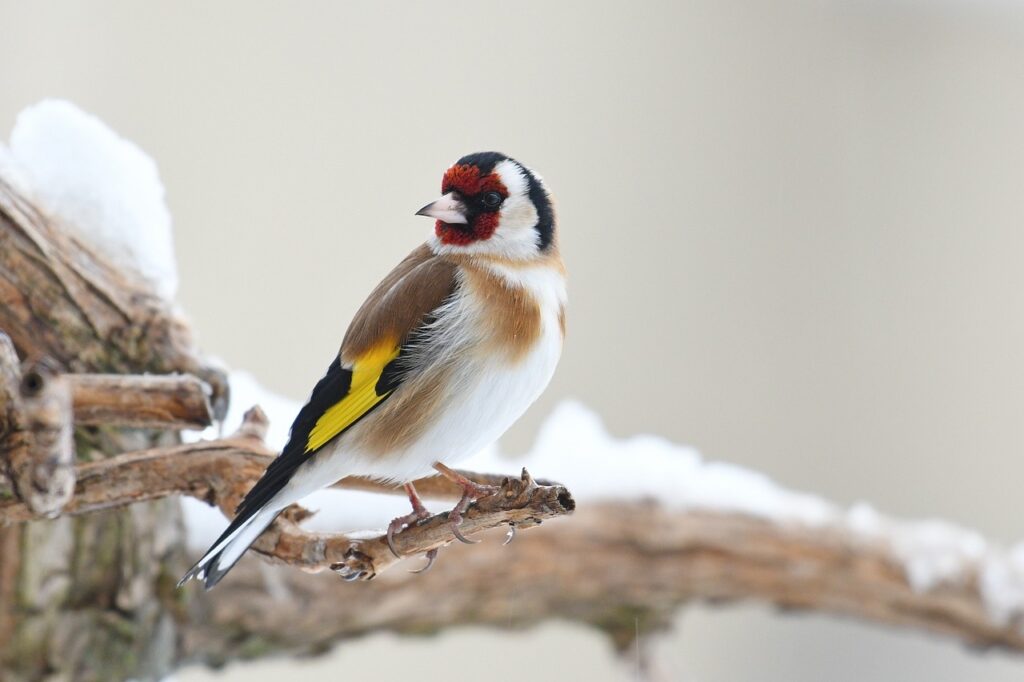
(641, 560)
(40, 408)
(177, 401)
(613, 566)
(222, 471)
(218, 472)
(518, 503)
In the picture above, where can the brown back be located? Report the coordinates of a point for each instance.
(399, 304)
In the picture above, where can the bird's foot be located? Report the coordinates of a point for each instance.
(471, 491)
(419, 512)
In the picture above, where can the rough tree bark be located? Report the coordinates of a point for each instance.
(87, 598)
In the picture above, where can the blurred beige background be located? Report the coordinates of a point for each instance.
(794, 231)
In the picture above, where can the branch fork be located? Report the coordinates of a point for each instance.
(40, 408)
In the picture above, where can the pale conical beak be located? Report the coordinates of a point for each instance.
(447, 209)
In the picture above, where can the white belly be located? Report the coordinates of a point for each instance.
(491, 399)
(488, 396)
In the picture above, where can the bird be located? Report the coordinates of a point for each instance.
(445, 354)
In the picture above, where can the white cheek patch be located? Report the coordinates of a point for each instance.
(518, 211)
(512, 177)
(515, 235)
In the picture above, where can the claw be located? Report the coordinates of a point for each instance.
(470, 491)
(391, 541)
(349, 574)
(460, 537)
(455, 520)
(431, 555)
(510, 535)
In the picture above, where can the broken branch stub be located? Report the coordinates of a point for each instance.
(154, 401)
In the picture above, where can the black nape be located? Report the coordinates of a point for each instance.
(545, 212)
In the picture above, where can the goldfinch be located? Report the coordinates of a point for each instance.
(443, 357)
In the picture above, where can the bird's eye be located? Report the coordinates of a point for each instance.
(491, 199)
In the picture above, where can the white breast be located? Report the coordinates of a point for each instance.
(490, 394)
(487, 396)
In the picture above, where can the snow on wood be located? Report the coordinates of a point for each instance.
(95, 182)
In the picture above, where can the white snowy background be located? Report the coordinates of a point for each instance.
(810, 212)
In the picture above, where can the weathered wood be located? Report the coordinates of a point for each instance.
(613, 563)
(36, 453)
(86, 598)
(518, 503)
(613, 566)
(61, 300)
(177, 401)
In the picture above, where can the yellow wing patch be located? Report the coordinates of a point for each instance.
(361, 397)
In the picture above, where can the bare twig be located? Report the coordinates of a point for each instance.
(519, 502)
(214, 471)
(39, 408)
(176, 401)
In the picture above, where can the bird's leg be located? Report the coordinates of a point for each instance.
(470, 491)
(418, 512)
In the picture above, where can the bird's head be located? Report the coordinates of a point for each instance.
(492, 205)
